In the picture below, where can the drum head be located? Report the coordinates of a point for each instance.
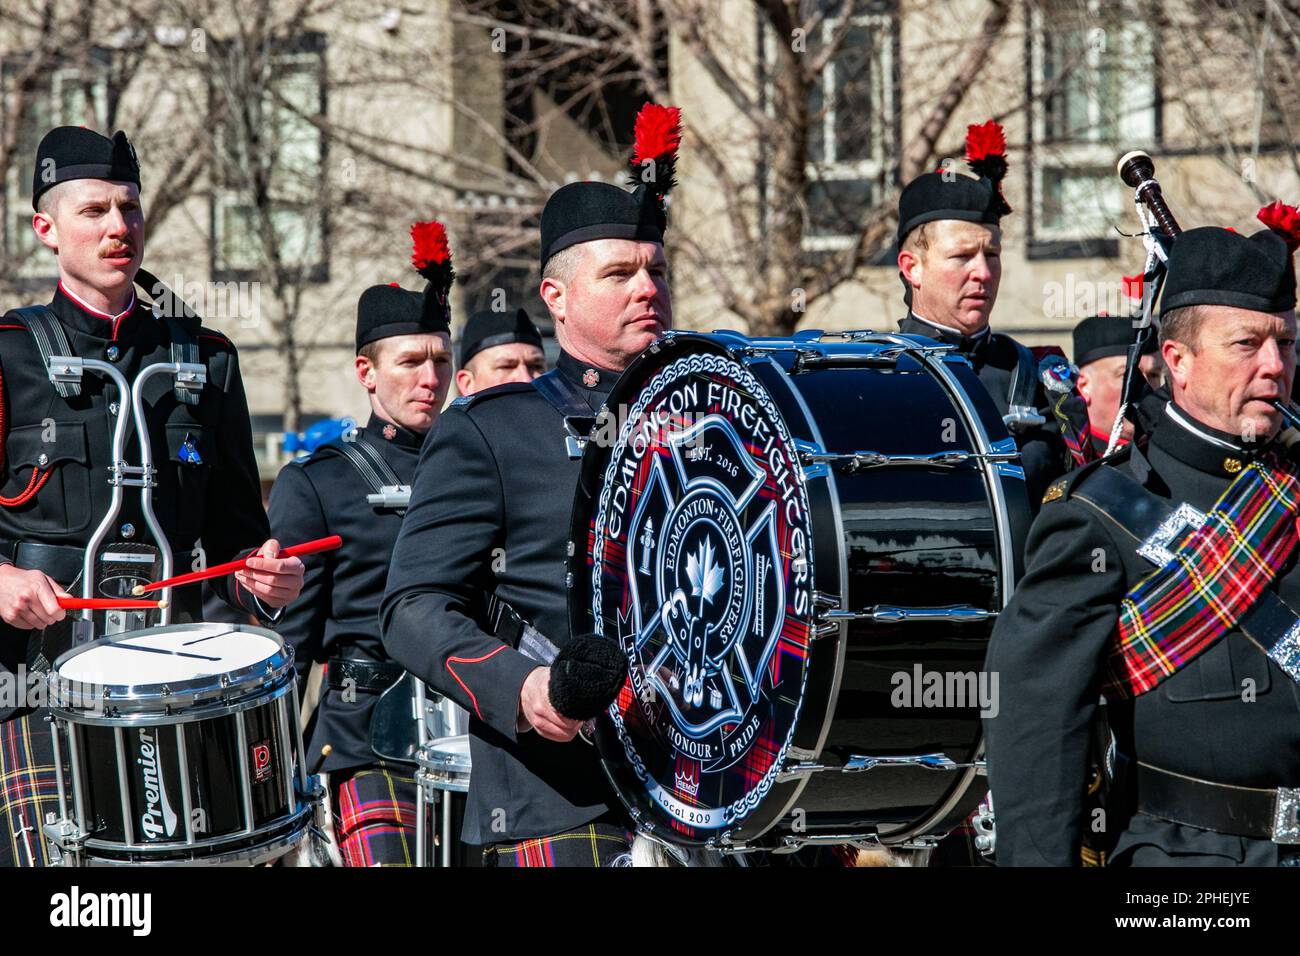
(187, 660)
(447, 762)
(693, 537)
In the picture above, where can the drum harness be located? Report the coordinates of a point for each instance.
(65, 372)
(387, 493)
(1021, 414)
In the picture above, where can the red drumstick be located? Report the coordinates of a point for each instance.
(230, 567)
(107, 604)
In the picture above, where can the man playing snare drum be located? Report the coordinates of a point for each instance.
(56, 443)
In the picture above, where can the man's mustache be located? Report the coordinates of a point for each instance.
(117, 251)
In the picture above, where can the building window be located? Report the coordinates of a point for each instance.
(289, 152)
(62, 97)
(1093, 90)
(852, 111)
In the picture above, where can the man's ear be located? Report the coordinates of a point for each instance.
(910, 265)
(366, 373)
(1084, 387)
(1176, 356)
(46, 231)
(464, 381)
(553, 295)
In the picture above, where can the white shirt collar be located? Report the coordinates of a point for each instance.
(1182, 419)
(94, 311)
(935, 325)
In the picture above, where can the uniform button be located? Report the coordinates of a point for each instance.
(1232, 465)
(42, 460)
(113, 407)
(112, 353)
(128, 530)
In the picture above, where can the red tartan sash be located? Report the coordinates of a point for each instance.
(1217, 574)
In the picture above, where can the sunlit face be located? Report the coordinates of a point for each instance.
(1101, 384)
(955, 280)
(96, 228)
(1241, 362)
(512, 362)
(409, 378)
(615, 304)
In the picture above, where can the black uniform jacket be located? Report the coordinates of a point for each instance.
(214, 502)
(338, 612)
(490, 512)
(994, 358)
(1230, 716)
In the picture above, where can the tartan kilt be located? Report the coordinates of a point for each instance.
(375, 816)
(29, 789)
(592, 845)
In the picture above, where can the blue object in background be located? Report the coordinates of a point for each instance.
(325, 430)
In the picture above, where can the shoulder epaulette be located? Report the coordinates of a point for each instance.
(1062, 488)
(509, 388)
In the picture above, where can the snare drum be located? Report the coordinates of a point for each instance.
(179, 744)
(443, 780)
(795, 541)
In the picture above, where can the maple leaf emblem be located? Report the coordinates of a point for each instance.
(704, 573)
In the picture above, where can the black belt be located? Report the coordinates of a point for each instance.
(60, 561)
(347, 673)
(1253, 812)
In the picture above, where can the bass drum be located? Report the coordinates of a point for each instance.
(801, 546)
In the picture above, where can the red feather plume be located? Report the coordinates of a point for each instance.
(1284, 220)
(658, 134)
(431, 256)
(986, 155)
(985, 141)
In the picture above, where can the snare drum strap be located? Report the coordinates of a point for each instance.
(370, 464)
(1024, 380)
(571, 403)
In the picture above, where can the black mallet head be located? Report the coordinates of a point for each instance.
(586, 676)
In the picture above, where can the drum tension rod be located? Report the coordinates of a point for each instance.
(858, 763)
(890, 614)
(861, 460)
(809, 360)
(893, 338)
(824, 603)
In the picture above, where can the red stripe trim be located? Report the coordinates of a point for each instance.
(13, 326)
(81, 304)
(216, 338)
(471, 660)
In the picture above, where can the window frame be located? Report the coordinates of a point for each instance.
(1082, 155)
(881, 169)
(309, 46)
(34, 270)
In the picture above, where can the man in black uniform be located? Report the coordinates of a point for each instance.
(1132, 592)
(498, 347)
(56, 442)
(490, 516)
(1086, 412)
(949, 243)
(356, 488)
